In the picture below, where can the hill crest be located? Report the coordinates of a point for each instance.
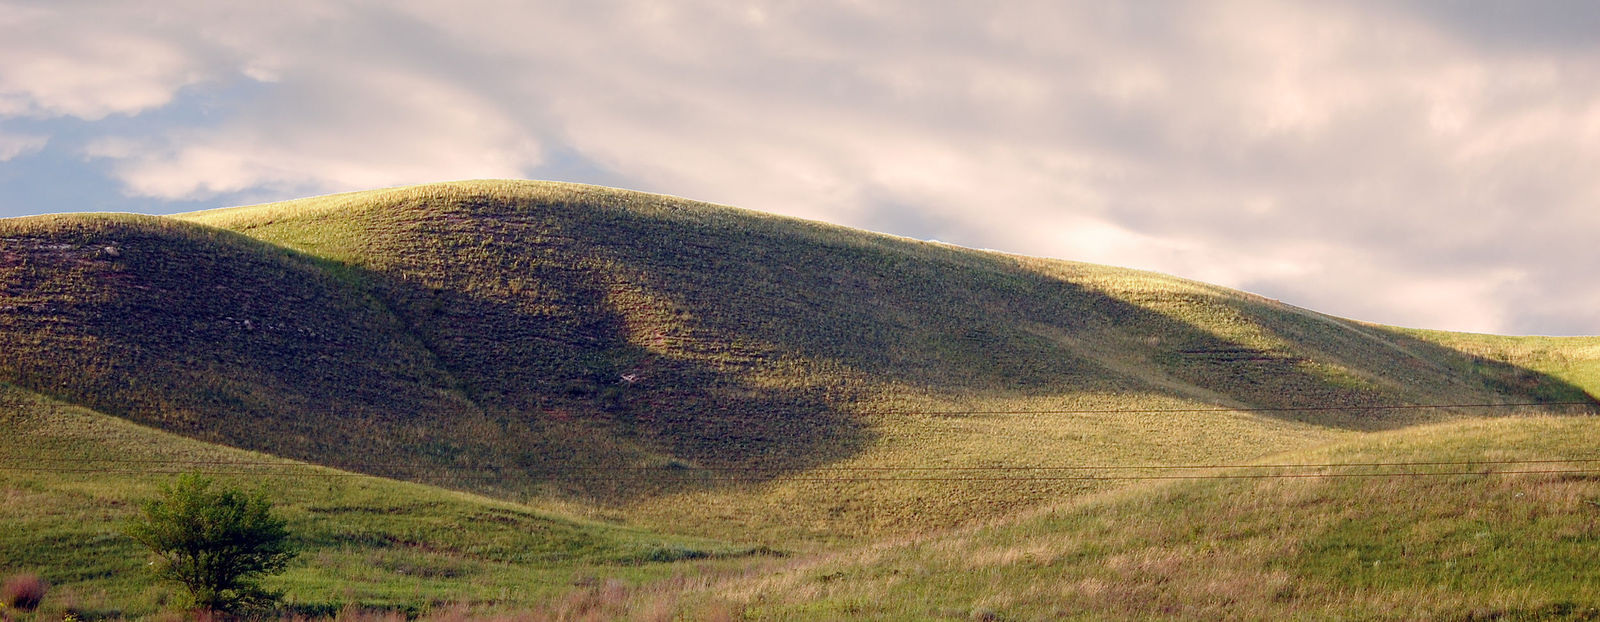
(551, 332)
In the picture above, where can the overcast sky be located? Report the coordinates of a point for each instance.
(1429, 164)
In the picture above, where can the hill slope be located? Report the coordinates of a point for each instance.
(1443, 540)
(684, 364)
(69, 477)
(214, 335)
(589, 269)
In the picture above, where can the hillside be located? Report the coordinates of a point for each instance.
(690, 366)
(1458, 530)
(587, 401)
(217, 336)
(69, 477)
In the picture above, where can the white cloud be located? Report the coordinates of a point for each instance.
(57, 64)
(12, 146)
(423, 131)
(1427, 300)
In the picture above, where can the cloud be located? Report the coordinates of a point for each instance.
(12, 146)
(424, 130)
(1411, 164)
(1550, 25)
(58, 64)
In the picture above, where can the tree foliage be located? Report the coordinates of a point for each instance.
(217, 542)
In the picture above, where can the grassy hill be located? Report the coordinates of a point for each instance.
(214, 335)
(779, 347)
(685, 365)
(548, 379)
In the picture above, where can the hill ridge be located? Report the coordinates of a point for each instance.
(547, 330)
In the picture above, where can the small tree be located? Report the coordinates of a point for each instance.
(217, 542)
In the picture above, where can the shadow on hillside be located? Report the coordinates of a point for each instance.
(216, 336)
(594, 388)
(612, 354)
(951, 321)
(500, 360)
(619, 353)
(1443, 371)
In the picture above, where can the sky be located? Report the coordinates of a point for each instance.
(1426, 164)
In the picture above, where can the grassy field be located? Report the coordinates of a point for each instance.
(73, 476)
(1480, 544)
(625, 365)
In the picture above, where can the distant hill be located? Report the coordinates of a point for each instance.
(689, 365)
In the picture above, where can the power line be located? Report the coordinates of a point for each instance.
(1197, 410)
(726, 479)
(1138, 477)
(674, 468)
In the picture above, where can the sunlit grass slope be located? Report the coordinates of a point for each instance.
(686, 365)
(69, 477)
(1572, 360)
(716, 337)
(1475, 546)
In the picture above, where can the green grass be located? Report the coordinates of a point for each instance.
(772, 342)
(609, 365)
(1474, 546)
(1572, 360)
(214, 335)
(368, 542)
(489, 326)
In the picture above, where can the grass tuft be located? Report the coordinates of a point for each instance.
(23, 592)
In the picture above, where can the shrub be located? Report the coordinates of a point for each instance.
(24, 592)
(216, 542)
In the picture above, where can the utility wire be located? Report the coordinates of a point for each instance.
(1126, 411)
(726, 479)
(1075, 467)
